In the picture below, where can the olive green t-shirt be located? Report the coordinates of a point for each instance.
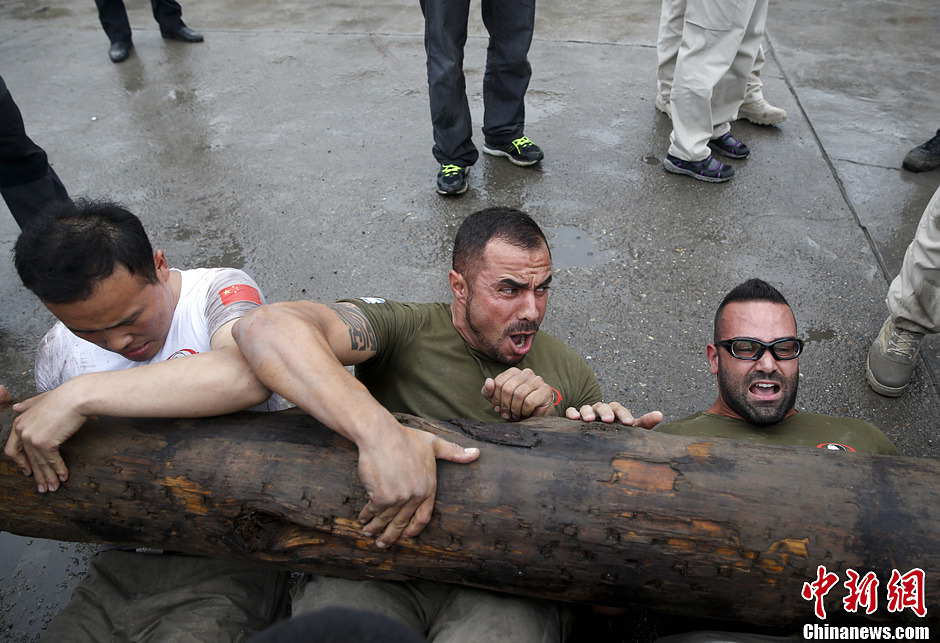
(424, 367)
(801, 429)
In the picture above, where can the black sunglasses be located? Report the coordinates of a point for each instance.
(753, 349)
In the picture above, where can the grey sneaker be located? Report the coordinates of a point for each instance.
(757, 110)
(891, 359)
(663, 104)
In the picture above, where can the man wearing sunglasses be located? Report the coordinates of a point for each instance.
(755, 358)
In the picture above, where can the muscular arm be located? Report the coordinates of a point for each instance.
(298, 349)
(212, 383)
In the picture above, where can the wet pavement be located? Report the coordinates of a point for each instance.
(295, 143)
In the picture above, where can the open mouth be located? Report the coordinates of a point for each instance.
(521, 342)
(764, 390)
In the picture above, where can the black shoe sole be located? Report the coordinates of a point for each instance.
(675, 169)
(166, 36)
(495, 152)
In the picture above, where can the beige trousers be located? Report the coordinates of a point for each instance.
(442, 613)
(667, 49)
(914, 295)
(720, 39)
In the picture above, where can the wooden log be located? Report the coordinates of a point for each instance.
(552, 509)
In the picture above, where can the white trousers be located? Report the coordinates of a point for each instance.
(667, 50)
(720, 39)
(914, 295)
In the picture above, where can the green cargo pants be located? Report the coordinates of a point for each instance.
(151, 598)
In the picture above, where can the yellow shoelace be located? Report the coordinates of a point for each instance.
(521, 142)
(449, 169)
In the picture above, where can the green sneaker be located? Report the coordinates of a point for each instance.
(452, 179)
(521, 151)
(891, 359)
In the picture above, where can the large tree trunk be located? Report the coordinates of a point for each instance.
(693, 526)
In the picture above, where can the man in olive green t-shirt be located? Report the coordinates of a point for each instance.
(481, 357)
(755, 358)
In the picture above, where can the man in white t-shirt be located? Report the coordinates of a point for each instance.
(124, 319)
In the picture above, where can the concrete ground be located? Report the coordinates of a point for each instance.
(295, 143)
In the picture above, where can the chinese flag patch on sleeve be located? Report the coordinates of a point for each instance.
(239, 292)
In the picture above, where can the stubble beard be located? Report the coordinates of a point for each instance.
(735, 396)
(485, 346)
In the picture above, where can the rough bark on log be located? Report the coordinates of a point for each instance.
(694, 526)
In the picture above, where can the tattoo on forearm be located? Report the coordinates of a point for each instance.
(361, 335)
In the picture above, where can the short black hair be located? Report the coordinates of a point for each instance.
(750, 290)
(515, 227)
(63, 254)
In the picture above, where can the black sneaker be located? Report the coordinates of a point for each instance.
(711, 169)
(522, 151)
(729, 146)
(452, 179)
(924, 157)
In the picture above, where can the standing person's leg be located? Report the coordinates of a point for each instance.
(510, 24)
(27, 182)
(755, 107)
(169, 15)
(913, 308)
(711, 37)
(730, 90)
(113, 17)
(671, 19)
(445, 34)
(755, 86)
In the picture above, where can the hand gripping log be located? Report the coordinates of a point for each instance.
(553, 509)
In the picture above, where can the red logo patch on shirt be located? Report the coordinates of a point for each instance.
(835, 446)
(183, 352)
(239, 292)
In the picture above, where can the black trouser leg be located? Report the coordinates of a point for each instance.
(445, 34)
(510, 24)
(27, 183)
(113, 17)
(167, 13)
(27, 201)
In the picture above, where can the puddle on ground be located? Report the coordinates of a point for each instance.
(572, 246)
(820, 334)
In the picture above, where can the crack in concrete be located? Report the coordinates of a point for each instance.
(879, 259)
(883, 167)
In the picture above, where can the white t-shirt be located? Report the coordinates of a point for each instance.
(209, 299)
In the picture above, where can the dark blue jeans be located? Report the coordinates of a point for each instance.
(510, 24)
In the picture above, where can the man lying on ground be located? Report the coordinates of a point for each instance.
(481, 357)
